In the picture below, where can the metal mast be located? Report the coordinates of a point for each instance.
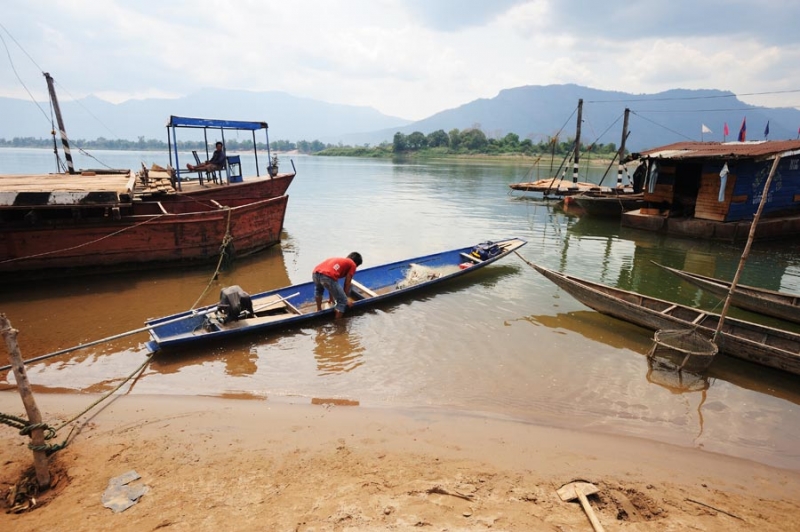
(625, 134)
(61, 130)
(576, 159)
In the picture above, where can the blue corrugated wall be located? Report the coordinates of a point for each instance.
(750, 179)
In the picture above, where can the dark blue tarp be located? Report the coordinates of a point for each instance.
(180, 121)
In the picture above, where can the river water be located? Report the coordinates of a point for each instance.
(503, 342)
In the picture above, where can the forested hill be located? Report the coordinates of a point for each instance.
(541, 112)
(532, 112)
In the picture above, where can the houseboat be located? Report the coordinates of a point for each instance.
(712, 190)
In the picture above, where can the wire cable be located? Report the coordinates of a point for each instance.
(708, 97)
(11, 61)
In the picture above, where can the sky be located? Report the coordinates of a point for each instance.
(406, 58)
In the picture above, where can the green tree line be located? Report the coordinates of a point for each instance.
(470, 141)
(475, 141)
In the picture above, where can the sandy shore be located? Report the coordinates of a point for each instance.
(227, 464)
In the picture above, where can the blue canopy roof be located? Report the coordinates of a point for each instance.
(180, 121)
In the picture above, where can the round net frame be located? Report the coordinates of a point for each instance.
(684, 348)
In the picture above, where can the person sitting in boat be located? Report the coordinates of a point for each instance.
(217, 161)
(326, 276)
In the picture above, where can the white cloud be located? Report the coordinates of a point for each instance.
(408, 58)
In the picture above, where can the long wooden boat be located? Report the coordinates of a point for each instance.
(557, 187)
(295, 304)
(55, 225)
(756, 343)
(609, 204)
(760, 300)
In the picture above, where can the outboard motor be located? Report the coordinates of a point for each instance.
(233, 301)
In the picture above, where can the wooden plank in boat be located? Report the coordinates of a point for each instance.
(258, 320)
(274, 302)
(363, 288)
(67, 182)
(476, 260)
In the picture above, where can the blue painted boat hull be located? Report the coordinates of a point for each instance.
(293, 305)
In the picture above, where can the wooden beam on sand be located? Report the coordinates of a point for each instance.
(34, 416)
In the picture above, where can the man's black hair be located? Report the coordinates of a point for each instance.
(355, 257)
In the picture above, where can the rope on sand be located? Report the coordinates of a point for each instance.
(25, 427)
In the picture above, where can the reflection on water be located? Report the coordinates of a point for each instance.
(680, 382)
(337, 348)
(595, 326)
(669, 377)
(504, 341)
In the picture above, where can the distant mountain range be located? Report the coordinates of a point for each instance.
(535, 112)
(288, 117)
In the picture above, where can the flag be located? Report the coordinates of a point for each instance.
(766, 130)
(726, 132)
(705, 129)
(743, 130)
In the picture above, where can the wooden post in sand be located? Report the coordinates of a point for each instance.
(24, 387)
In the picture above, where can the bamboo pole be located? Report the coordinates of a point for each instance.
(24, 387)
(746, 252)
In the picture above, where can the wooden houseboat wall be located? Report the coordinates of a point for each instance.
(691, 188)
(783, 196)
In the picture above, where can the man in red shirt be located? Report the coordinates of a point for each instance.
(327, 275)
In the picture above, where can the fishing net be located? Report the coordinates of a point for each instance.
(417, 274)
(684, 348)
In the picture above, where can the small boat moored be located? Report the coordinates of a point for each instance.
(749, 341)
(239, 312)
(780, 305)
(609, 204)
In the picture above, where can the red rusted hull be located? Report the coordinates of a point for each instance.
(144, 235)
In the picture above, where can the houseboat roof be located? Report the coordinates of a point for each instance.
(767, 149)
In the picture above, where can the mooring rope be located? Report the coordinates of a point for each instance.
(80, 346)
(226, 241)
(25, 427)
(104, 397)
